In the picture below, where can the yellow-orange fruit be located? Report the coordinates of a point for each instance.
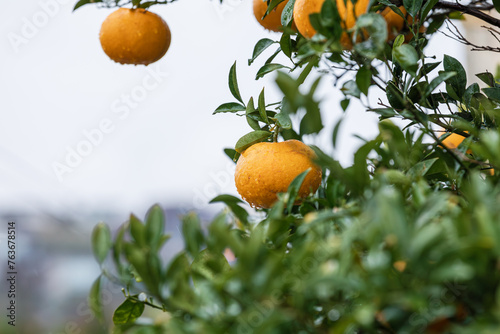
(272, 21)
(453, 141)
(348, 14)
(395, 23)
(134, 36)
(266, 169)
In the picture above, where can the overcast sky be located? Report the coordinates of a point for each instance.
(79, 131)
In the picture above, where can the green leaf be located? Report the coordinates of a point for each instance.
(427, 8)
(232, 107)
(496, 3)
(294, 187)
(85, 2)
(251, 138)
(286, 45)
(192, 233)
(376, 27)
(442, 77)
(268, 68)
(284, 120)
(101, 242)
(492, 93)
(260, 47)
(287, 14)
(350, 88)
(273, 4)
(364, 79)
(344, 104)
(137, 230)
(254, 124)
(336, 132)
(233, 83)
(487, 78)
(262, 107)
(413, 6)
(233, 203)
(420, 169)
(155, 226)
(395, 96)
(311, 122)
(406, 56)
(136, 2)
(128, 312)
(459, 81)
(231, 153)
(209, 265)
(95, 300)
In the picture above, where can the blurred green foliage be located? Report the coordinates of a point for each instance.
(405, 240)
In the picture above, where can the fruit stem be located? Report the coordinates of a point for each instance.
(276, 132)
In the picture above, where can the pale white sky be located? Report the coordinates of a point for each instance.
(162, 143)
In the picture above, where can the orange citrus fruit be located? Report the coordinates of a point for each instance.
(272, 21)
(266, 169)
(395, 23)
(348, 14)
(453, 141)
(134, 36)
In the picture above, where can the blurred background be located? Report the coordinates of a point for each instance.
(84, 140)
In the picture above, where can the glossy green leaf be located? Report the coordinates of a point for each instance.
(231, 153)
(364, 79)
(283, 120)
(260, 47)
(487, 78)
(231, 107)
(459, 81)
(413, 6)
(268, 68)
(442, 77)
(262, 107)
(254, 124)
(406, 56)
(101, 242)
(286, 45)
(128, 312)
(287, 14)
(251, 138)
(427, 7)
(492, 93)
(84, 2)
(233, 83)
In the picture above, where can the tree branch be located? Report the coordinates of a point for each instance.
(475, 11)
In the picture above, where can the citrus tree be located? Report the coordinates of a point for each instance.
(405, 240)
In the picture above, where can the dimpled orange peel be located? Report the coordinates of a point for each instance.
(134, 36)
(266, 169)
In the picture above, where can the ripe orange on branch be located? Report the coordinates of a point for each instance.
(272, 21)
(134, 36)
(348, 14)
(266, 169)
